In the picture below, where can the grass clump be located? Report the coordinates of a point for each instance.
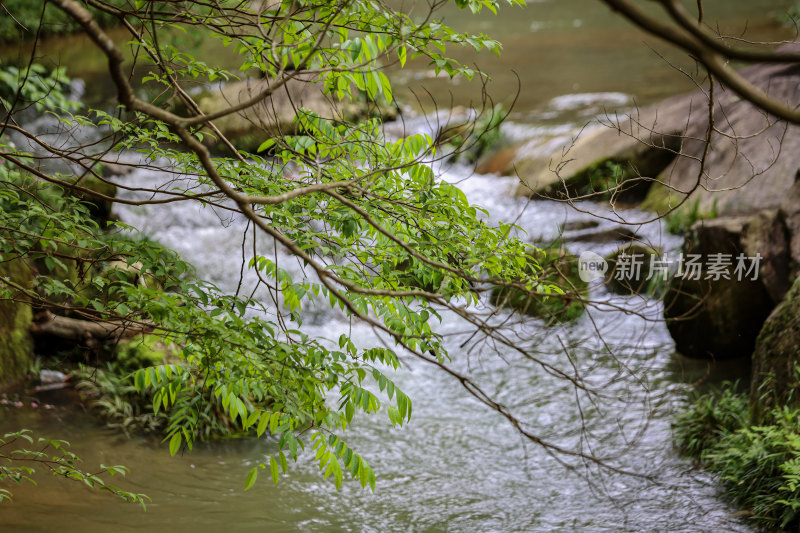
(680, 220)
(758, 465)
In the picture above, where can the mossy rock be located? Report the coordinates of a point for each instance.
(602, 180)
(661, 199)
(631, 276)
(559, 268)
(142, 351)
(16, 344)
(775, 372)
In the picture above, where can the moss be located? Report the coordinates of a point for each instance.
(776, 358)
(16, 344)
(659, 199)
(558, 268)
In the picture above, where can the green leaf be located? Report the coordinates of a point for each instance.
(175, 444)
(273, 467)
(262, 423)
(251, 478)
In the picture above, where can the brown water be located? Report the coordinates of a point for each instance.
(551, 48)
(456, 467)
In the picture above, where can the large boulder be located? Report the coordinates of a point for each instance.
(790, 213)
(751, 162)
(719, 316)
(601, 159)
(775, 377)
(752, 157)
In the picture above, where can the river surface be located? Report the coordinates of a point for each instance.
(457, 466)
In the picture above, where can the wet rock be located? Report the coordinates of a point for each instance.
(632, 269)
(603, 236)
(499, 161)
(713, 316)
(751, 163)
(775, 377)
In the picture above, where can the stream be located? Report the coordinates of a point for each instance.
(457, 466)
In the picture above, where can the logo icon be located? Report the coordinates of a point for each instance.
(591, 266)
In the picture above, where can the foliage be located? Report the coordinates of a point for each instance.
(359, 212)
(37, 86)
(559, 296)
(20, 454)
(760, 465)
(112, 395)
(710, 416)
(680, 220)
(790, 16)
(20, 20)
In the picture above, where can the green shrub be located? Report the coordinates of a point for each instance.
(759, 465)
(111, 393)
(711, 416)
(142, 351)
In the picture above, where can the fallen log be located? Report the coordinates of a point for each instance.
(87, 332)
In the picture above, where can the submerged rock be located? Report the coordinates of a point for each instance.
(576, 225)
(618, 233)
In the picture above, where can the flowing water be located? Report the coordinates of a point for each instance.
(457, 466)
